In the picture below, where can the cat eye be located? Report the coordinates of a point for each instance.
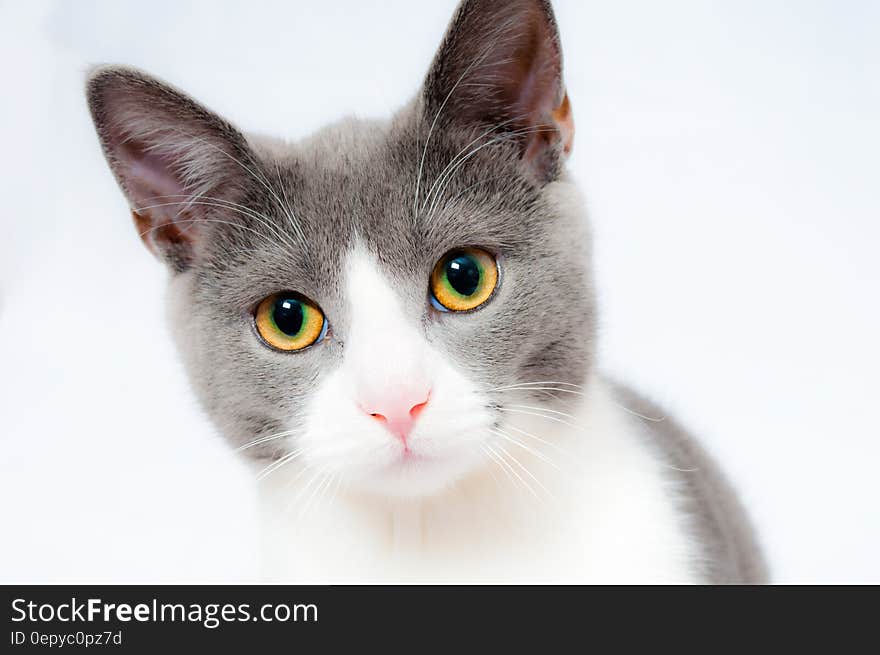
(463, 279)
(289, 321)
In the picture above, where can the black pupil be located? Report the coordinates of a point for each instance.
(463, 274)
(288, 315)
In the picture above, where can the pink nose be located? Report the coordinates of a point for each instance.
(398, 415)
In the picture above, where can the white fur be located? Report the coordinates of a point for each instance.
(583, 499)
(386, 356)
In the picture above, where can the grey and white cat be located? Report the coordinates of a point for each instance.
(395, 321)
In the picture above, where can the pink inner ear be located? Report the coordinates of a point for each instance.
(520, 85)
(151, 181)
(537, 70)
(564, 120)
(161, 217)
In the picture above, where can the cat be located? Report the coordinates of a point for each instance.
(395, 322)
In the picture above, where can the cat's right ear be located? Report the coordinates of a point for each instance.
(174, 159)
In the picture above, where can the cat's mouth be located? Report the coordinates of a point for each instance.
(414, 463)
(407, 457)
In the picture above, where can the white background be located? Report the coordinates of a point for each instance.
(729, 152)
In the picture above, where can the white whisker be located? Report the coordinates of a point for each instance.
(478, 61)
(539, 382)
(260, 440)
(495, 458)
(635, 413)
(525, 470)
(543, 409)
(549, 418)
(539, 439)
(525, 447)
(274, 466)
(261, 179)
(503, 457)
(325, 479)
(451, 172)
(460, 152)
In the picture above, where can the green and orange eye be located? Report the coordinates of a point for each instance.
(463, 279)
(289, 321)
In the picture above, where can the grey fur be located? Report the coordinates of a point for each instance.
(730, 551)
(369, 182)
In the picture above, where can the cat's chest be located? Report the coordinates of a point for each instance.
(615, 545)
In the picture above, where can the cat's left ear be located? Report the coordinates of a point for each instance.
(500, 68)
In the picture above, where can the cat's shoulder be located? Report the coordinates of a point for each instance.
(731, 553)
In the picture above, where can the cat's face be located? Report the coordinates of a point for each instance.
(371, 302)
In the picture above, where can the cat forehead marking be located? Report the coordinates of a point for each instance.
(370, 293)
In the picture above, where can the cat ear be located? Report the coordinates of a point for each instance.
(174, 159)
(500, 65)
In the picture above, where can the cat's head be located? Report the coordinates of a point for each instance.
(371, 301)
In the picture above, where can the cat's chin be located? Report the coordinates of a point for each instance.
(413, 475)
